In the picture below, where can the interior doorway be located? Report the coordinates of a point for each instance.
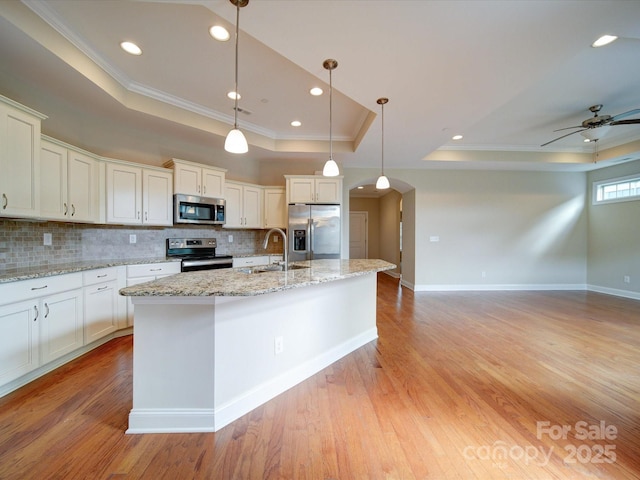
(358, 234)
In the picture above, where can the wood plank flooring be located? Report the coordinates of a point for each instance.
(459, 385)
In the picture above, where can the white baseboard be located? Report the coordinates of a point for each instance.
(252, 399)
(614, 291)
(498, 287)
(193, 420)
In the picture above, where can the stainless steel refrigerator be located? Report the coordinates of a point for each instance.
(314, 232)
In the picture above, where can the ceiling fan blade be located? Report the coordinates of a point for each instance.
(626, 114)
(568, 128)
(556, 139)
(632, 121)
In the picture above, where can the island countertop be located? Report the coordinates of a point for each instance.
(238, 282)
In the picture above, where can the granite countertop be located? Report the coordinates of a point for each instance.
(237, 282)
(15, 275)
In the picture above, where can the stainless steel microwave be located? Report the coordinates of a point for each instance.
(194, 209)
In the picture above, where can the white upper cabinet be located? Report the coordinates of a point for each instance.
(69, 183)
(243, 205)
(196, 179)
(275, 207)
(313, 189)
(19, 160)
(138, 196)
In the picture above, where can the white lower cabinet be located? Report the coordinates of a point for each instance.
(61, 324)
(100, 303)
(147, 272)
(19, 340)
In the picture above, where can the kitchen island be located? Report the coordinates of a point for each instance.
(211, 346)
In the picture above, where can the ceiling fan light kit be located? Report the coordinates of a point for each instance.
(236, 141)
(330, 167)
(596, 127)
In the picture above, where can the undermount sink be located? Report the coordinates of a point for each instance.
(271, 268)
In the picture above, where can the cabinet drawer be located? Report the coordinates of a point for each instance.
(100, 275)
(38, 287)
(250, 261)
(153, 269)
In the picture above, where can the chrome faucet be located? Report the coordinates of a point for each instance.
(284, 248)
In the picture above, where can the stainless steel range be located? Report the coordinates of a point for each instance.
(197, 254)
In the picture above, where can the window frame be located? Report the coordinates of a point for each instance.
(597, 185)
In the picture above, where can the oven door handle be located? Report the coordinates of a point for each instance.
(199, 263)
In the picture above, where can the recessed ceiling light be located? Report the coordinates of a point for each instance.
(296, 123)
(316, 91)
(456, 137)
(360, 187)
(586, 140)
(604, 40)
(219, 33)
(131, 48)
(232, 95)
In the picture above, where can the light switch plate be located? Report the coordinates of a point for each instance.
(47, 240)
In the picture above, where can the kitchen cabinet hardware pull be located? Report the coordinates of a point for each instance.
(102, 276)
(155, 269)
(103, 288)
(35, 307)
(47, 307)
(5, 203)
(66, 208)
(39, 288)
(146, 216)
(73, 209)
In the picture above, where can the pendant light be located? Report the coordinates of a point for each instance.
(236, 142)
(331, 167)
(383, 181)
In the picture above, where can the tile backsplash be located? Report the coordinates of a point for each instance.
(21, 242)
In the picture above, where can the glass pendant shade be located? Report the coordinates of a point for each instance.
(330, 169)
(382, 183)
(236, 142)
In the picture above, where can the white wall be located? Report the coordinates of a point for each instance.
(614, 238)
(523, 229)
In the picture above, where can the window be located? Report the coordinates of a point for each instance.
(617, 190)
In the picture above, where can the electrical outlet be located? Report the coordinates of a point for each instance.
(484, 274)
(276, 238)
(278, 345)
(230, 239)
(627, 279)
(132, 238)
(47, 240)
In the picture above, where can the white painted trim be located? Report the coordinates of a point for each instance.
(252, 399)
(499, 287)
(614, 291)
(192, 420)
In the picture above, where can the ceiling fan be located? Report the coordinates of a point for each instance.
(602, 122)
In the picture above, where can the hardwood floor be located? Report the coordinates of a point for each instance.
(459, 385)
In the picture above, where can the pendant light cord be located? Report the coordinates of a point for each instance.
(382, 170)
(235, 109)
(330, 116)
